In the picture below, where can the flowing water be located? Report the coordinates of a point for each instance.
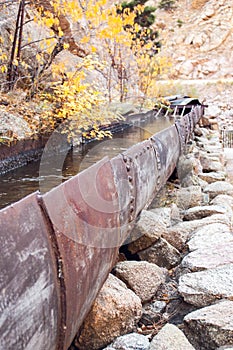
(32, 177)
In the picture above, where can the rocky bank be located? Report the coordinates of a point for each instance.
(197, 38)
(172, 287)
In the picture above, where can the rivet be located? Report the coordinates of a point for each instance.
(140, 153)
(131, 187)
(148, 147)
(131, 217)
(131, 200)
(125, 159)
(130, 178)
(128, 168)
(131, 209)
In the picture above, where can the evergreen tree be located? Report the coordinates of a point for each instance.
(144, 19)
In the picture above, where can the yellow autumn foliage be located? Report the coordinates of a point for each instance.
(69, 96)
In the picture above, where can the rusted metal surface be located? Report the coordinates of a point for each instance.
(57, 249)
(29, 298)
(140, 162)
(85, 221)
(167, 146)
(126, 193)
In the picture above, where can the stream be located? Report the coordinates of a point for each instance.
(32, 177)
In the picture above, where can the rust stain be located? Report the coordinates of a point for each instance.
(57, 249)
(29, 298)
(86, 223)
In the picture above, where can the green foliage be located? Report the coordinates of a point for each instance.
(180, 23)
(144, 18)
(166, 4)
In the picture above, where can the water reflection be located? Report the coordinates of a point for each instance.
(25, 180)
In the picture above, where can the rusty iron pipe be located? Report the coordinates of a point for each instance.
(58, 248)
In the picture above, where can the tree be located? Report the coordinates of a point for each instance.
(67, 96)
(144, 19)
(122, 31)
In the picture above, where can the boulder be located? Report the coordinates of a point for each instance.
(212, 326)
(210, 235)
(14, 125)
(179, 234)
(186, 68)
(187, 169)
(205, 287)
(193, 180)
(164, 214)
(189, 197)
(200, 212)
(142, 277)
(209, 147)
(220, 157)
(198, 131)
(147, 231)
(175, 214)
(170, 337)
(219, 187)
(131, 341)
(209, 257)
(162, 254)
(213, 176)
(223, 200)
(187, 165)
(115, 312)
(209, 12)
(212, 165)
(213, 149)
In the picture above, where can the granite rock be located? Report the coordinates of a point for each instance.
(205, 287)
(147, 231)
(115, 312)
(131, 341)
(211, 327)
(162, 254)
(142, 277)
(210, 235)
(209, 257)
(200, 212)
(219, 187)
(170, 337)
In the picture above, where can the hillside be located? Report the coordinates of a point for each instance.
(197, 37)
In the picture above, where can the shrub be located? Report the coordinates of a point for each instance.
(166, 4)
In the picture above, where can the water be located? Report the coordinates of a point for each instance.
(35, 176)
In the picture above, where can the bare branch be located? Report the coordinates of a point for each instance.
(37, 41)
